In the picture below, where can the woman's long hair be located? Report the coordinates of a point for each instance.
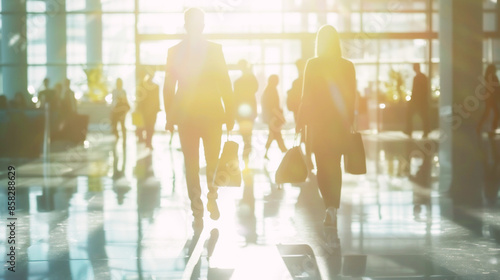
(328, 42)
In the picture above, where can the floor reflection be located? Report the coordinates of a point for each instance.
(121, 211)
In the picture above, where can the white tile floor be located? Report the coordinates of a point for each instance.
(105, 212)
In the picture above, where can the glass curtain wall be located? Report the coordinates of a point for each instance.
(382, 37)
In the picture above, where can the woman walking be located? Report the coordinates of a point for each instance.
(327, 109)
(272, 114)
(120, 107)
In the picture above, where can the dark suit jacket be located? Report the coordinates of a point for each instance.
(200, 73)
(327, 105)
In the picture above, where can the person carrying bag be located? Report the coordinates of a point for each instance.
(327, 109)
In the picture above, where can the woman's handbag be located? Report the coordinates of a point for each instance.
(228, 172)
(354, 157)
(292, 168)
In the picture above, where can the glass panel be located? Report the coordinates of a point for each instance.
(435, 22)
(490, 4)
(39, 6)
(489, 22)
(344, 22)
(118, 42)
(390, 6)
(342, 5)
(37, 47)
(295, 22)
(362, 50)
(394, 22)
(435, 50)
(161, 6)
(256, 5)
(403, 50)
(36, 74)
(75, 5)
(76, 45)
(161, 24)
(155, 52)
(244, 23)
(496, 54)
(118, 5)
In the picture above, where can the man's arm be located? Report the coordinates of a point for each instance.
(169, 90)
(225, 88)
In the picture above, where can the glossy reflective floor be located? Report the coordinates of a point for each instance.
(111, 211)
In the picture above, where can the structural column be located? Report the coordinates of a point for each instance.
(56, 40)
(94, 33)
(462, 93)
(14, 55)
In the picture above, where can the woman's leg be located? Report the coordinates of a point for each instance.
(114, 123)
(124, 131)
(270, 139)
(329, 176)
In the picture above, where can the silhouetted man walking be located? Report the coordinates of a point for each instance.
(419, 103)
(199, 70)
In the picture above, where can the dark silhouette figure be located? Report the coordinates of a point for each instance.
(272, 114)
(419, 103)
(199, 70)
(48, 96)
(148, 105)
(327, 109)
(245, 88)
(68, 101)
(3, 102)
(492, 95)
(295, 93)
(119, 109)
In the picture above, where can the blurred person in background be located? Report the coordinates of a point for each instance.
(272, 114)
(245, 88)
(119, 109)
(419, 102)
(148, 105)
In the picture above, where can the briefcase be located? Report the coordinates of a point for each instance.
(354, 157)
(228, 172)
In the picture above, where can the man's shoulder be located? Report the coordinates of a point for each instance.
(212, 46)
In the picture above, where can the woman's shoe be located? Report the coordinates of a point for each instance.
(330, 217)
